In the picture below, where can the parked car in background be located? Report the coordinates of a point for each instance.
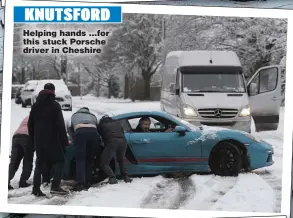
(14, 89)
(27, 91)
(63, 95)
(17, 97)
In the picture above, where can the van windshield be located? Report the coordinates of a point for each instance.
(221, 81)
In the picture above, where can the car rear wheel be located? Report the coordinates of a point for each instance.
(225, 160)
(23, 105)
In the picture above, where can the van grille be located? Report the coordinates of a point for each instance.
(217, 113)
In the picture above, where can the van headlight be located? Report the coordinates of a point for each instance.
(67, 97)
(189, 111)
(245, 111)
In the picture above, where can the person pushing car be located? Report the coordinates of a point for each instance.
(86, 140)
(115, 143)
(22, 149)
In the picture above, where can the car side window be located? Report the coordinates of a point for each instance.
(133, 122)
(125, 125)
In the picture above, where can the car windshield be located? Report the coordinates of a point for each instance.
(187, 124)
(216, 80)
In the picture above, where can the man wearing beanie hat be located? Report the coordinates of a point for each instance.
(48, 134)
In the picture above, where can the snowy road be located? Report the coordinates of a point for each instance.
(198, 192)
(281, 4)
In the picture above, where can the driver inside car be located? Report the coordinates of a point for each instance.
(144, 125)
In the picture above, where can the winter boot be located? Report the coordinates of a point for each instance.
(112, 180)
(58, 191)
(46, 184)
(10, 187)
(23, 185)
(79, 187)
(38, 193)
(127, 179)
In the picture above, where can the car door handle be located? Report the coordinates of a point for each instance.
(142, 141)
(275, 98)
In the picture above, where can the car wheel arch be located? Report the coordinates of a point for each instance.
(242, 148)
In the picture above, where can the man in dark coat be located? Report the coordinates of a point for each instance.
(48, 133)
(115, 143)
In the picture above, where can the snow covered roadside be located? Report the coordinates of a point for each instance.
(201, 192)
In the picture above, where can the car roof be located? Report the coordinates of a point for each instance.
(141, 113)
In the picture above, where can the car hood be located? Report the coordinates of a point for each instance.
(218, 100)
(226, 134)
(58, 93)
(62, 93)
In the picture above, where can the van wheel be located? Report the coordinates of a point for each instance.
(225, 160)
(23, 105)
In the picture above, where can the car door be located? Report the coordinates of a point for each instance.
(265, 97)
(163, 152)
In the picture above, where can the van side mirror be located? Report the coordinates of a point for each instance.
(248, 91)
(252, 89)
(177, 92)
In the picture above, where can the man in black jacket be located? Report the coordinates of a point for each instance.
(47, 131)
(113, 137)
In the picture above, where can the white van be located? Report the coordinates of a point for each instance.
(209, 88)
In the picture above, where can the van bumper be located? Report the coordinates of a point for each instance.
(242, 125)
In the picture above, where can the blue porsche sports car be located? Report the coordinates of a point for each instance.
(188, 148)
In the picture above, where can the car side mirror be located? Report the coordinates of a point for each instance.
(180, 130)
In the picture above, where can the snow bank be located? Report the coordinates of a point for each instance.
(232, 194)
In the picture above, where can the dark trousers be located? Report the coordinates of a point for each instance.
(22, 149)
(47, 172)
(114, 147)
(42, 168)
(86, 142)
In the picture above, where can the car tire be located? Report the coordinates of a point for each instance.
(23, 105)
(225, 160)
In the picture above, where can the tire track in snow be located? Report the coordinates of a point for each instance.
(219, 187)
(170, 194)
(276, 184)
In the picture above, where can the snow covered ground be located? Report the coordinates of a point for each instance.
(281, 4)
(259, 191)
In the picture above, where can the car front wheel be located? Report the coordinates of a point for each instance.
(225, 160)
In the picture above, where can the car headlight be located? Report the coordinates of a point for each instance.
(67, 97)
(245, 111)
(189, 111)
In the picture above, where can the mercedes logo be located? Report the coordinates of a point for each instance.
(218, 113)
